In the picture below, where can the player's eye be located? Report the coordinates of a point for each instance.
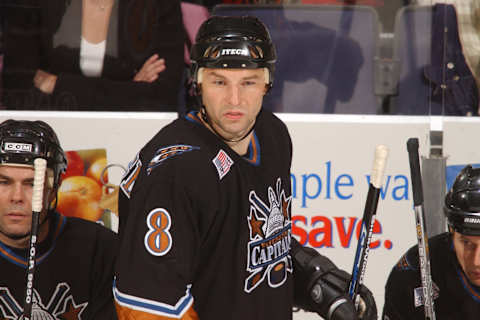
(218, 82)
(468, 244)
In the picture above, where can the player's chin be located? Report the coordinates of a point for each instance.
(235, 130)
(17, 233)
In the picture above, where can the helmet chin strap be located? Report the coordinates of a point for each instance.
(206, 118)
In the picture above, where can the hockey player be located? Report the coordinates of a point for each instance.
(455, 262)
(74, 258)
(205, 208)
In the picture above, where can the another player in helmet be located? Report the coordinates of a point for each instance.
(455, 261)
(205, 208)
(74, 258)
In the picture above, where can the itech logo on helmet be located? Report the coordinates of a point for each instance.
(18, 147)
(471, 220)
(234, 52)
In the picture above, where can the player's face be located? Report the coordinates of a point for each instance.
(467, 249)
(233, 98)
(16, 186)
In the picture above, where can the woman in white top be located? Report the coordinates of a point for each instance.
(100, 55)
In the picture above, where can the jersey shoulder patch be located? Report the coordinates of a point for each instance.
(403, 264)
(223, 163)
(409, 261)
(165, 153)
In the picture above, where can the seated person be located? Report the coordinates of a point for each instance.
(73, 273)
(455, 262)
(93, 55)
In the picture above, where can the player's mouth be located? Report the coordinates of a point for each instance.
(16, 216)
(233, 115)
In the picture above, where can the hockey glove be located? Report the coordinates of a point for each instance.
(322, 288)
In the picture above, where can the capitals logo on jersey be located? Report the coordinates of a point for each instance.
(60, 306)
(270, 237)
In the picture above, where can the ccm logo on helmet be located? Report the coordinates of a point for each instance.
(234, 52)
(14, 146)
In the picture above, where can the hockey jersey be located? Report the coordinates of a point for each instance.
(204, 231)
(73, 275)
(454, 296)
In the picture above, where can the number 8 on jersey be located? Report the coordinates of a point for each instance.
(158, 239)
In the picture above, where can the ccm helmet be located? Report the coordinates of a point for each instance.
(233, 42)
(24, 141)
(462, 202)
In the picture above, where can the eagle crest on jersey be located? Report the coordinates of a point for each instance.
(270, 237)
(60, 306)
(166, 153)
(162, 154)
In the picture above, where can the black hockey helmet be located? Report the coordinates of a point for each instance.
(21, 142)
(233, 42)
(462, 202)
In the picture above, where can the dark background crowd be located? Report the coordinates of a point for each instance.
(132, 55)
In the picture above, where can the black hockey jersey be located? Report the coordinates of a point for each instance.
(73, 275)
(455, 297)
(203, 228)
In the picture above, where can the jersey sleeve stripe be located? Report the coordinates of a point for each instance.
(124, 313)
(153, 307)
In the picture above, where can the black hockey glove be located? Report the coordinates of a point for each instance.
(322, 288)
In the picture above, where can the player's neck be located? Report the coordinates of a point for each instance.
(240, 147)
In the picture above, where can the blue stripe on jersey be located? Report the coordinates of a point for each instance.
(253, 151)
(192, 116)
(154, 307)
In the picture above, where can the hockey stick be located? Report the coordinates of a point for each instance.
(40, 166)
(369, 213)
(422, 237)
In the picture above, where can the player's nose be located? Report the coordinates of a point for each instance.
(234, 95)
(17, 193)
(474, 258)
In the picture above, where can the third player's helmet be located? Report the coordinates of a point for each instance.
(462, 202)
(21, 142)
(233, 42)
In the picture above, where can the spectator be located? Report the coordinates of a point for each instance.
(94, 55)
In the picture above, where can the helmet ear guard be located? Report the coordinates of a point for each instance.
(462, 202)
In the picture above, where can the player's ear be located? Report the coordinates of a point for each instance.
(266, 74)
(265, 89)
